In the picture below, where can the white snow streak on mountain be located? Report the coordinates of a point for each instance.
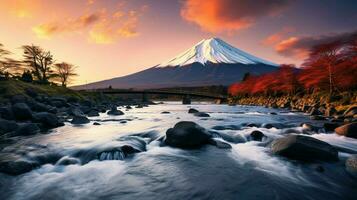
(216, 51)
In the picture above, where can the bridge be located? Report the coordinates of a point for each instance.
(185, 94)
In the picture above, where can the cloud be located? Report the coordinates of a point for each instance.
(107, 32)
(71, 25)
(229, 15)
(277, 37)
(299, 47)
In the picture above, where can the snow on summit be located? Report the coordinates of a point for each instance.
(214, 50)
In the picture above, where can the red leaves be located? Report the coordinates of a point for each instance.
(330, 67)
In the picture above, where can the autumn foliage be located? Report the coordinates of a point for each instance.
(330, 67)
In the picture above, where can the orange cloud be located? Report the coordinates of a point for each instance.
(21, 8)
(229, 15)
(299, 47)
(71, 25)
(277, 37)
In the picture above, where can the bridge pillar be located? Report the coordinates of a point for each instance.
(186, 99)
(145, 97)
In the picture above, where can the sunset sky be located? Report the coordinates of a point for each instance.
(111, 38)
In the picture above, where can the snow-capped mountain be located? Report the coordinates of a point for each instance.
(214, 50)
(209, 62)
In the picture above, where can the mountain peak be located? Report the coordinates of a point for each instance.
(214, 50)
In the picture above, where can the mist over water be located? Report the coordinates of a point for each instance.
(98, 170)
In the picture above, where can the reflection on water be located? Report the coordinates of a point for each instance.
(150, 171)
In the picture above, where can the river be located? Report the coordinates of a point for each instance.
(247, 171)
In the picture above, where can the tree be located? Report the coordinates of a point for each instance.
(26, 76)
(65, 71)
(3, 54)
(322, 59)
(39, 62)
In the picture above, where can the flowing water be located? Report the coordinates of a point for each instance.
(99, 170)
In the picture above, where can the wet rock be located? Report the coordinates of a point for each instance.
(273, 113)
(49, 120)
(80, 120)
(93, 113)
(351, 165)
(348, 130)
(192, 110)
(21, 111)
(139, 106)
(252, 125)
(96, 124)
(128, 107)
(123, 122)
(74, 111)
(226, 127)
(330, 127)
(27, 129)
(66, 160)
(6, 113)
(115, 111)
(304, 148)
(7, 126)
(165, 112)
(201, 114)
(257, 135)
(187, 134)
(219, 144)
(16, 167)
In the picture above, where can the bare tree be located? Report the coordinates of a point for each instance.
(39, 61)
(65, 72)
(3, 54)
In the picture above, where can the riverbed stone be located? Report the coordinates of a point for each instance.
(348, 130)
(257, 135)
(201, 114)
(16, 167)
(27, 129)
(186, 134)
(192, 110)
(115, 111)
(93, 113)
(21, 111)
(304, 148)
(49, 120)
(80, 120)
(7, 126)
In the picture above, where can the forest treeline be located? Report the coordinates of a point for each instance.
(37, 66)
(330, 68)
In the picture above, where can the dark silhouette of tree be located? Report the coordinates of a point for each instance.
(64, 72)
(27, 76)
(39, 62)
(246, 76)
(3, 54)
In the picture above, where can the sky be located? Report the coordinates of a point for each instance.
(112, 38)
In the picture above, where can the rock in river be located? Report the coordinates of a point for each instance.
(257, 135)
(304, 148)
(192, 110)
(187, 134)
(22, 111)
(80, 120)
(49, 120)
(348, 130)
(201, 114)
(114, 111)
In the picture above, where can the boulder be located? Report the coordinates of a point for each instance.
(80, 120)
(330, 127)
(257, 135)
(201, 114)
(165, 112)
(187, 134)
(96, 124)
(6, 113)
(27, 129)
(75, 112)
(49, 120)
(7, 126)
(16, 167)
(351, 165)
(192, 110)
(93, 113)
(114, 111)
(348, 130)
(21, 111)
(304, 148)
